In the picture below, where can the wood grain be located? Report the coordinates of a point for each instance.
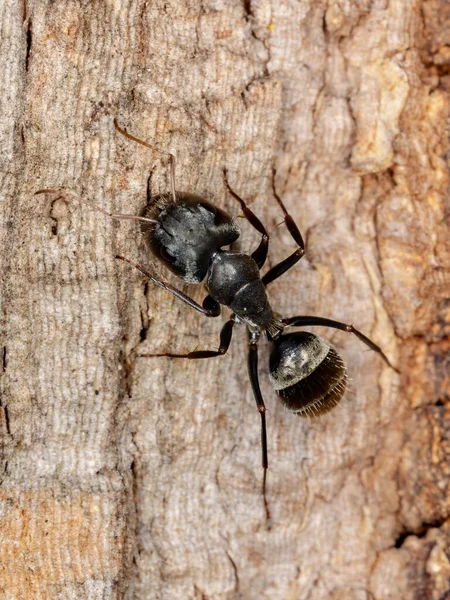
(128, 477)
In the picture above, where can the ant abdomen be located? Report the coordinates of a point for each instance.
(307, 373)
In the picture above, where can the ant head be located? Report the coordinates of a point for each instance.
(307, 373)
(187, 233)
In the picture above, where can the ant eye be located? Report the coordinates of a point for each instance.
(166, 255)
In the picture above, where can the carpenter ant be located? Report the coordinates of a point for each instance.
(188, 235)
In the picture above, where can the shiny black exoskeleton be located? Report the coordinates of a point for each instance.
(189, 235)
(308, 373)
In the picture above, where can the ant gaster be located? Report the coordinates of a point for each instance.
(188, 234)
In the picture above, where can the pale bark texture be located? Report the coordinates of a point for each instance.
(140, 478)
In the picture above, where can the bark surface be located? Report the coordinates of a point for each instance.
(128, 477)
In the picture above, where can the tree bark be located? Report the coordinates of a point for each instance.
(130, 477)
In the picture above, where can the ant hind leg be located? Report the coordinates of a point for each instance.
(254, 380)
(305, 321)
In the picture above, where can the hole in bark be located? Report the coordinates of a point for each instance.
(420, 532)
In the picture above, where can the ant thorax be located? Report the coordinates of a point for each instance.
(234, 280)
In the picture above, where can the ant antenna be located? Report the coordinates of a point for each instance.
(147, 145)
(69, 193)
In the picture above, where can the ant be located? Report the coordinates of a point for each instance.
(188, 234)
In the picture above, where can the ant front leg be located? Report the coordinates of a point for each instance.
(260, 254)
(209, 308)
(304, 321)
(224, 344)
(291, 260)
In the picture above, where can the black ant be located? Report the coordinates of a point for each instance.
(188, 235)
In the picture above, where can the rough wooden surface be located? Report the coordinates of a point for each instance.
(126, 477)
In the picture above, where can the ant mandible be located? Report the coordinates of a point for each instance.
(188, 235)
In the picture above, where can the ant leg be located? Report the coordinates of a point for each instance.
(125, 133)
(210, 307)
(254, 380)
(65, 193)
(225, 340)
(260, 254)
(312, 321)
(291, 260)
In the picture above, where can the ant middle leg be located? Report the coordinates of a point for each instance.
(224, 344)
(283, 266)
(260, 254)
